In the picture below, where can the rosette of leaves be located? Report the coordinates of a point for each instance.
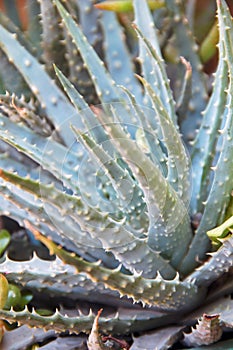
(108, 188)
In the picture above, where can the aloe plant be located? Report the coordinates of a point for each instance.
(110, 189)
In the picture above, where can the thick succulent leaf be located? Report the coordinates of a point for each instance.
(58, 109)
(57, 321)
(12, 28)
(54, 219)
(178, 162)
(51, 155)
(188, 49)
(158, 340)
(34, 28)
(150, 136)
(167, 295)
(105, 86)
(169, 222)
(86, 114)
(207, 331)
(15, 209)
(10, 79)
(62, 212)
(131, 199)
(219, 263)
(57, 279)
(153, 68)
(125, 321)
(11, 210)
(66, 343)
(53, 49)
(221, 188)
(91, 124)
(23, 337)
(89, 20)
(21, 112)
(203, 150)
(117, 56)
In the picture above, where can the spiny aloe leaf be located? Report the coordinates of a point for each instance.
(11, 210)
(221, 188)
(204, 145)
(53, 49)
(178, 162)
(34, 28)
(51, 98)
(130, 194)
(53, 218)
(125, 321)
(168, 295)
(10, 79)
(105, 87)
(125, 246)
(153, 68)
(89, 20)
(151, 138)
(166, 210)
(117, 56)
(87, 116)
(208, 331)
(19, 111)
(188, 49)
(50, 155)
(77, 99)
(60, 280)
(12, 28)
(127, 5)
(57, 321)
(14, 207)
(219, 263)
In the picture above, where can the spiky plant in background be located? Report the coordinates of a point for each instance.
(108, 188)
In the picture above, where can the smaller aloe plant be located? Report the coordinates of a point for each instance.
(110, 189)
